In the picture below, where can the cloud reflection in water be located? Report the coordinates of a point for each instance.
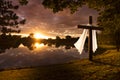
(41, 55)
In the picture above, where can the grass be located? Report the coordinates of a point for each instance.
(105, 66)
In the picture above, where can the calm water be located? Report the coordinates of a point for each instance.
(40, 54)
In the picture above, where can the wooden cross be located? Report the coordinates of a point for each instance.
(90, 27)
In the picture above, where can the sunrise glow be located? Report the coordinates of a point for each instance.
(40, 36)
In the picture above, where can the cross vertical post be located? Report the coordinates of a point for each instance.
(90, 40)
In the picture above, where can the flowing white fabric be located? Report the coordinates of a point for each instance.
(81, 41)
(94, 41)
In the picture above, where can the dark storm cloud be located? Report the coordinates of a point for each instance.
(44, 20)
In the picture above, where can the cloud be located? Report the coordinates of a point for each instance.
(44, 20)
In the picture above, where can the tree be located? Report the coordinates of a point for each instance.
(9, 20)
(68, 37)
(23, 2)
(58, 38)
(31, 35)
(109, 12)
(59, 5)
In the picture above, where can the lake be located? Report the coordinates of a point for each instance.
(40, 54)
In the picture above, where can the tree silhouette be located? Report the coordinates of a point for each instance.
(8, 17)
(58, 38)
(68, 37)
(23, 2)
(31, 35)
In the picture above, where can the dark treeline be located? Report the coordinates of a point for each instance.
(68, 41)
(13, 41)
(7, 42)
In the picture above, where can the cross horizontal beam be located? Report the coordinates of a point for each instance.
(90, 27)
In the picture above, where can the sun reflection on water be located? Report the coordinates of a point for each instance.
(38, 45)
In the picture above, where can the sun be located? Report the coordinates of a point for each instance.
(40, 36)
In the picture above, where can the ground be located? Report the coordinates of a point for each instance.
(105, 66)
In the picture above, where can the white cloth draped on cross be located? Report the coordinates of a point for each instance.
(81, 41)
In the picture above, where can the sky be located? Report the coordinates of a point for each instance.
(44, 21)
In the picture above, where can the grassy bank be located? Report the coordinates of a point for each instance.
(106, 66)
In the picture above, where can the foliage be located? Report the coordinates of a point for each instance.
(59, 5)
(8, 17)
(23, 2)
